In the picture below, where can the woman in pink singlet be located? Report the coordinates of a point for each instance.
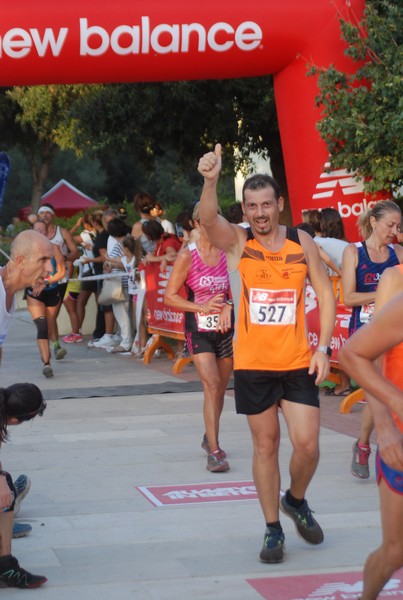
(202, 270)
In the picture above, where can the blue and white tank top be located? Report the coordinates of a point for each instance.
(367, 276)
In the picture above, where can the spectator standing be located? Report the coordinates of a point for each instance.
(85, 241)
(131, 260)
(143, 203)
(107, 340)
(117, 232)
(184, 226)
(158, 213)
(92, 264)
(324, 257)
(167, 245)
(313, 218)
(332, 239)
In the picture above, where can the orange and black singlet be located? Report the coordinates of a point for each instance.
(269, 293)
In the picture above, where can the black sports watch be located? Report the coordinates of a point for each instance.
(325, 349)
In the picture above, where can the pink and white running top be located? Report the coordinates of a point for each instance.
(202, 283)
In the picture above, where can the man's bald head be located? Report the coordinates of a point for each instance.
(24, 243)
(31, 254)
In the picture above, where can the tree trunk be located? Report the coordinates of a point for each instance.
(40, 172)
(278, 170)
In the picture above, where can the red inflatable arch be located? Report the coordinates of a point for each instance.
(83, 41)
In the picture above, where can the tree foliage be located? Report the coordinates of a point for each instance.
(362, 113)
(185, 115)
(145, 134)
(179, 121)
(38, 118)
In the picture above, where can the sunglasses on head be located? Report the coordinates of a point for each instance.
(28, 416)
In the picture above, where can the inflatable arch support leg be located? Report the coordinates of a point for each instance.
(81, 41)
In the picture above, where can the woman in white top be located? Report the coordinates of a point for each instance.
(117, 232)
(130, 260)
(157, 213)
(332, 239)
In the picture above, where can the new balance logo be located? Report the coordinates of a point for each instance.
(348, 182)
(350, 185)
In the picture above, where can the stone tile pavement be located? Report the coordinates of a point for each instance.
(109, 429)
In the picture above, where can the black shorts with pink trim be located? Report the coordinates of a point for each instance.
(212, 342)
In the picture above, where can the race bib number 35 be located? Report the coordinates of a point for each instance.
(272, 307)
(207, 322)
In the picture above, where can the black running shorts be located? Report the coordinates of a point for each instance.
(256, 391)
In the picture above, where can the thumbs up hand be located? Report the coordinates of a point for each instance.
(210, 164)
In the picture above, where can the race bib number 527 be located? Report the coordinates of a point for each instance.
(272, 307)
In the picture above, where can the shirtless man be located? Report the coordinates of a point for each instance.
(273, 364)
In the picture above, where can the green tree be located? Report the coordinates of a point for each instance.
(362, 113)
(179, 121)
(146, 135)
(34, 119)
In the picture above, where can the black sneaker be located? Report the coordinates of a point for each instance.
(307, 527)
(273, 546)
(16, 576)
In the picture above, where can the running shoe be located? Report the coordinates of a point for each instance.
(60, 352)
(73, 338)
(117, 349)
(359, 464)
(307, 527)
(47, 371)
(216, 463)
(21, 529)
(15, 576)
(135, 347)
(206, 447)
(22, 486)
(92, 342)
(106, 341)
(273, 546)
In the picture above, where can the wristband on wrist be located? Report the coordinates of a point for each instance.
(230, 302)
(325, 349)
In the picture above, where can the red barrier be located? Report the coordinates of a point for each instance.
(165, 319)
(340, 331)
(85, 41)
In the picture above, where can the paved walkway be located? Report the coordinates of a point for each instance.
(109, 430)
